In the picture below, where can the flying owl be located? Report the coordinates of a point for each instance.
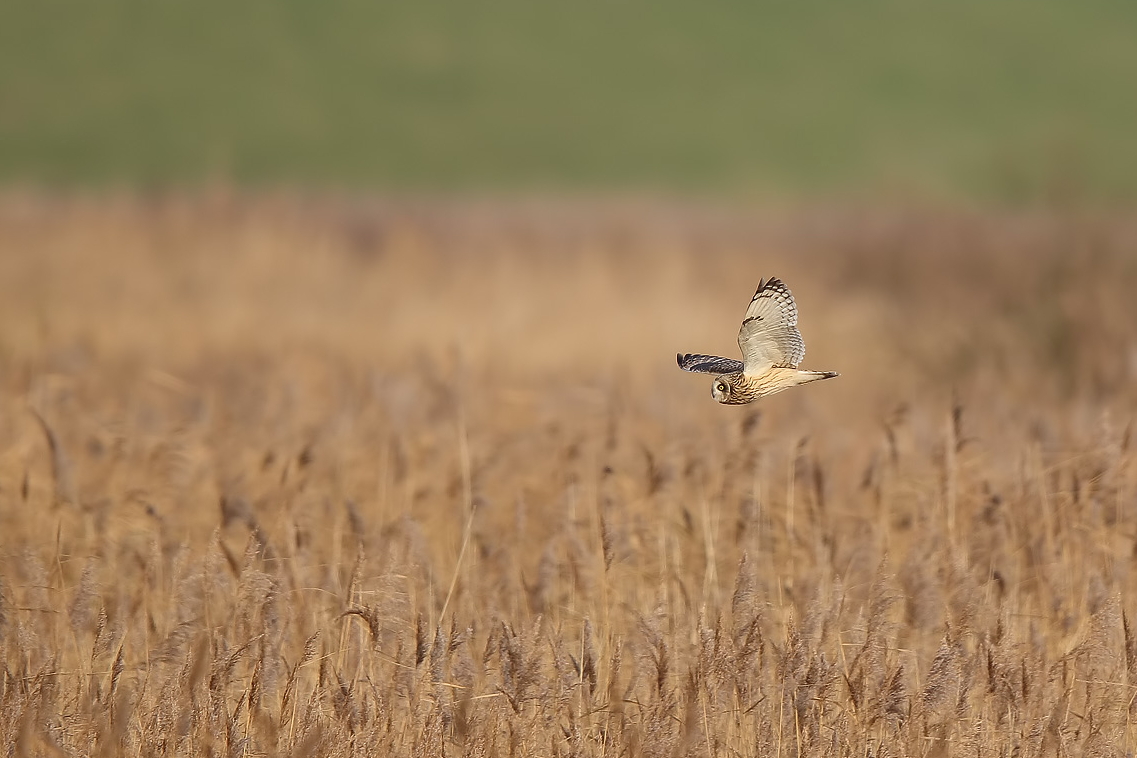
(771, 347)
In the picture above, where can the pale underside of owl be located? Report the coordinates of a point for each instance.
(772, 349)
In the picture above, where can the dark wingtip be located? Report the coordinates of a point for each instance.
(679, 359)
(764, 284)
(830, 374)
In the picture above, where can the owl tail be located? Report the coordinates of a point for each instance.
(805, 377)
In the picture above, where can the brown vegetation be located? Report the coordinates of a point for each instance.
(284, 476)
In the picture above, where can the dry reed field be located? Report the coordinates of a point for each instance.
(285, 475)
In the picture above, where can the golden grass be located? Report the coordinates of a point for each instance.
(295, 476)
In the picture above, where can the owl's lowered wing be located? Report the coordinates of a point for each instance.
(769, 335)
(707, 364)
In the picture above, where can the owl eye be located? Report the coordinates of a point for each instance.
(722, 386)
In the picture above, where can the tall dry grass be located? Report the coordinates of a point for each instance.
(295, 476)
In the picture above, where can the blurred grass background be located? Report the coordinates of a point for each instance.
(1008, 101)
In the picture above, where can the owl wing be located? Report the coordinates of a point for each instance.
(769, 335)
(708, 364)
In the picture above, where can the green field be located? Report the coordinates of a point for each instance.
(1008, 100)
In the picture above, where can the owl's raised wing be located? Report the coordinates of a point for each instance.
(707, 364)
(769, 335)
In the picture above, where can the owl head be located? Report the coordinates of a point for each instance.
(722, 389)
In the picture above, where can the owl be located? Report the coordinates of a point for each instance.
(771, 347)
